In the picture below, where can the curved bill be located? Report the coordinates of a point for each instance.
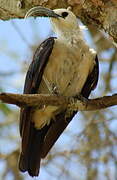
(41, 11)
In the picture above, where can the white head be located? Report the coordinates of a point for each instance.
(63, 21)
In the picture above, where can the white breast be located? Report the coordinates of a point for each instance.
(67, 71)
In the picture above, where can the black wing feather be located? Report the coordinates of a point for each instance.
(92, 80)
(32, 139)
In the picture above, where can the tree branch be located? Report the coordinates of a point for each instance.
(73, 103)
(100, 13)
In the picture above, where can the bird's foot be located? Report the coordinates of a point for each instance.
(55, 89)
(68, 114)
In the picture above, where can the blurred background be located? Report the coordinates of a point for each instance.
(87, 150)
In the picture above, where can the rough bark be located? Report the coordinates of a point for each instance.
(100, 13)
(73, 104)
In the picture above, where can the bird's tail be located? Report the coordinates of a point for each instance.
(30, 156)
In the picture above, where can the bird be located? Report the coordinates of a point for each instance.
(63, 65)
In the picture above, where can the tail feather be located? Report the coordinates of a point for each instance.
(30, 157)
(39, 142)
(23, 164)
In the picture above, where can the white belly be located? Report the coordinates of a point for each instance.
(43, 116)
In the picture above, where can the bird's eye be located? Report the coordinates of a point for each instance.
(64, 14)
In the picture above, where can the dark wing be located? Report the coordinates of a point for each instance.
(92, 80)
(60, 124)
(32, 138)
